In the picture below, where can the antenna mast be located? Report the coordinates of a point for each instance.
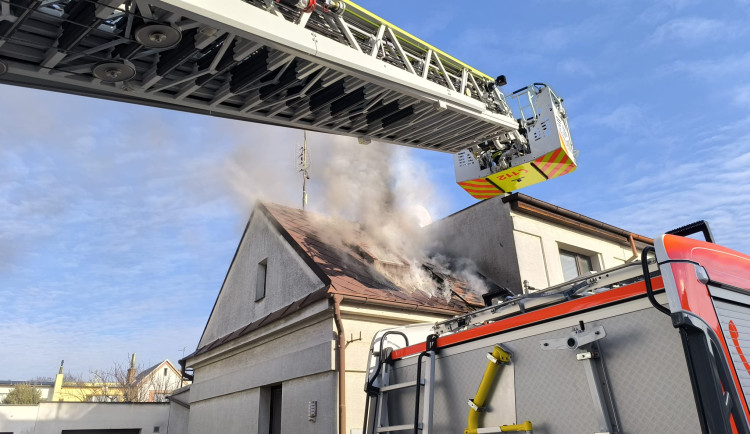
(303, 163)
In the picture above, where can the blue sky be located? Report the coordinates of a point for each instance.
(118, 222)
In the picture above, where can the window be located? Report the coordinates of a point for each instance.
(574, 264)
(275, 425)
(260, 282)
(165, 372)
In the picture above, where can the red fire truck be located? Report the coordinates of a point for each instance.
(652, 346)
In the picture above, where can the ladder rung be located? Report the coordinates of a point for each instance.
(400, 385)
(396, 428)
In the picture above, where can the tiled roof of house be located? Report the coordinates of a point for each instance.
(351, 274)
(146, 372)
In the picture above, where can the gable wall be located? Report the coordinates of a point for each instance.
(288, 279)
(484, 234)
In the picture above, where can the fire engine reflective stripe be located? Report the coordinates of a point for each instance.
(545, 162)
(497, 357)
(555, 163)
(478, 184)
(483, 196)
(735, 335)
(480, 188)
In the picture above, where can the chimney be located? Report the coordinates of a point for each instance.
(131, 370)
(57, 388)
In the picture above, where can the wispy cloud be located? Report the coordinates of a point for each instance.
(692, 183)
(576, 67)
(741, 96)
(624, 118)
(712, 68)
(692, 30)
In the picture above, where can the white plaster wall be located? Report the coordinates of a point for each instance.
(288, 279)
(18, 419)
(53, 417)
(539, 243)
(227, 414)
(179, 416)
(297, 393)
(531, 261)
(293, 353)
(238, 413)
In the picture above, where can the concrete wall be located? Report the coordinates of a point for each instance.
(242, 412)
(233, 413)
(484, 234)
(296, 352)
(179, 411)
(53, 417)
(18, 419)
(539, 243)
(288, 279)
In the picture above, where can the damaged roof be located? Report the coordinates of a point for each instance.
(352, 275)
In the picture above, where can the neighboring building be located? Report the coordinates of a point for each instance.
(45, 388)
(517, 238)
(291, 327)
(159, 381)
(153, 384)
(150, 385)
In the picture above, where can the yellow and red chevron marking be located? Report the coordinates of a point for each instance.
(555, 164)
(480, 188)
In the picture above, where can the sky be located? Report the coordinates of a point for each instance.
(118, 222)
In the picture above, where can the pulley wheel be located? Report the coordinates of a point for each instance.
(114, 72)
(158, 36)
(3, 67)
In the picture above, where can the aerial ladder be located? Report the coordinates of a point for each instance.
(328, 65)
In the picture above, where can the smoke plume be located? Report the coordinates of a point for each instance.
(381, 187)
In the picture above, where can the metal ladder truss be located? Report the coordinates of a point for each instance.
(424, 383)
(326, 65)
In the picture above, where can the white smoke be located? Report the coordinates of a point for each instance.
(381, 187)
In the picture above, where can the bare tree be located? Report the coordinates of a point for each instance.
(132, 382)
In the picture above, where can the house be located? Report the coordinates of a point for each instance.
(285, 347)
(291, 327)
(157, 382)
(523, 243)
(153, 384)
